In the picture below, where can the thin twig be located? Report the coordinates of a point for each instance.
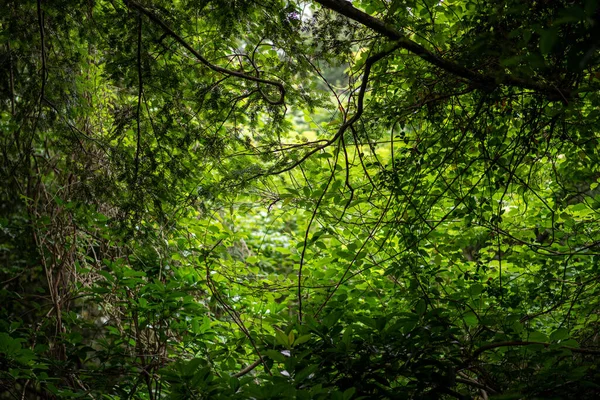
(154, 18)
(139, 104)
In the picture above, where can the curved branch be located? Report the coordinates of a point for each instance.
(347, 124)
(248, 368)
(154, 18)
(467, 380)
(307, 232)
(485, 82)
(476, 384)
(490, 346)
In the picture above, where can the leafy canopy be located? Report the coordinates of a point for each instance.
(289, 199)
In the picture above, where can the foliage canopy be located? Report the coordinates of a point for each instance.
(230, 199)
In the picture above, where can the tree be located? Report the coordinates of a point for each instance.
(328, 199)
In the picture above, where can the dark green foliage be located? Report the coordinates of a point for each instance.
(324, 200)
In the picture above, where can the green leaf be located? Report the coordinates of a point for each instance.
(548, 37)
(234, 383)
(191, 366)
(471, 319)
(559, 334)
(475, 289)
(282, 338)
(348, 393)
(302, 339)
(420, 307)
(537, 337)
(306, 372)
(275, 355)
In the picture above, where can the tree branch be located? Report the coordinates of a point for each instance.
(490, 346)
(248, 368)
(154, 18)
(485, 82)
(348, 123)
(471, 382)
